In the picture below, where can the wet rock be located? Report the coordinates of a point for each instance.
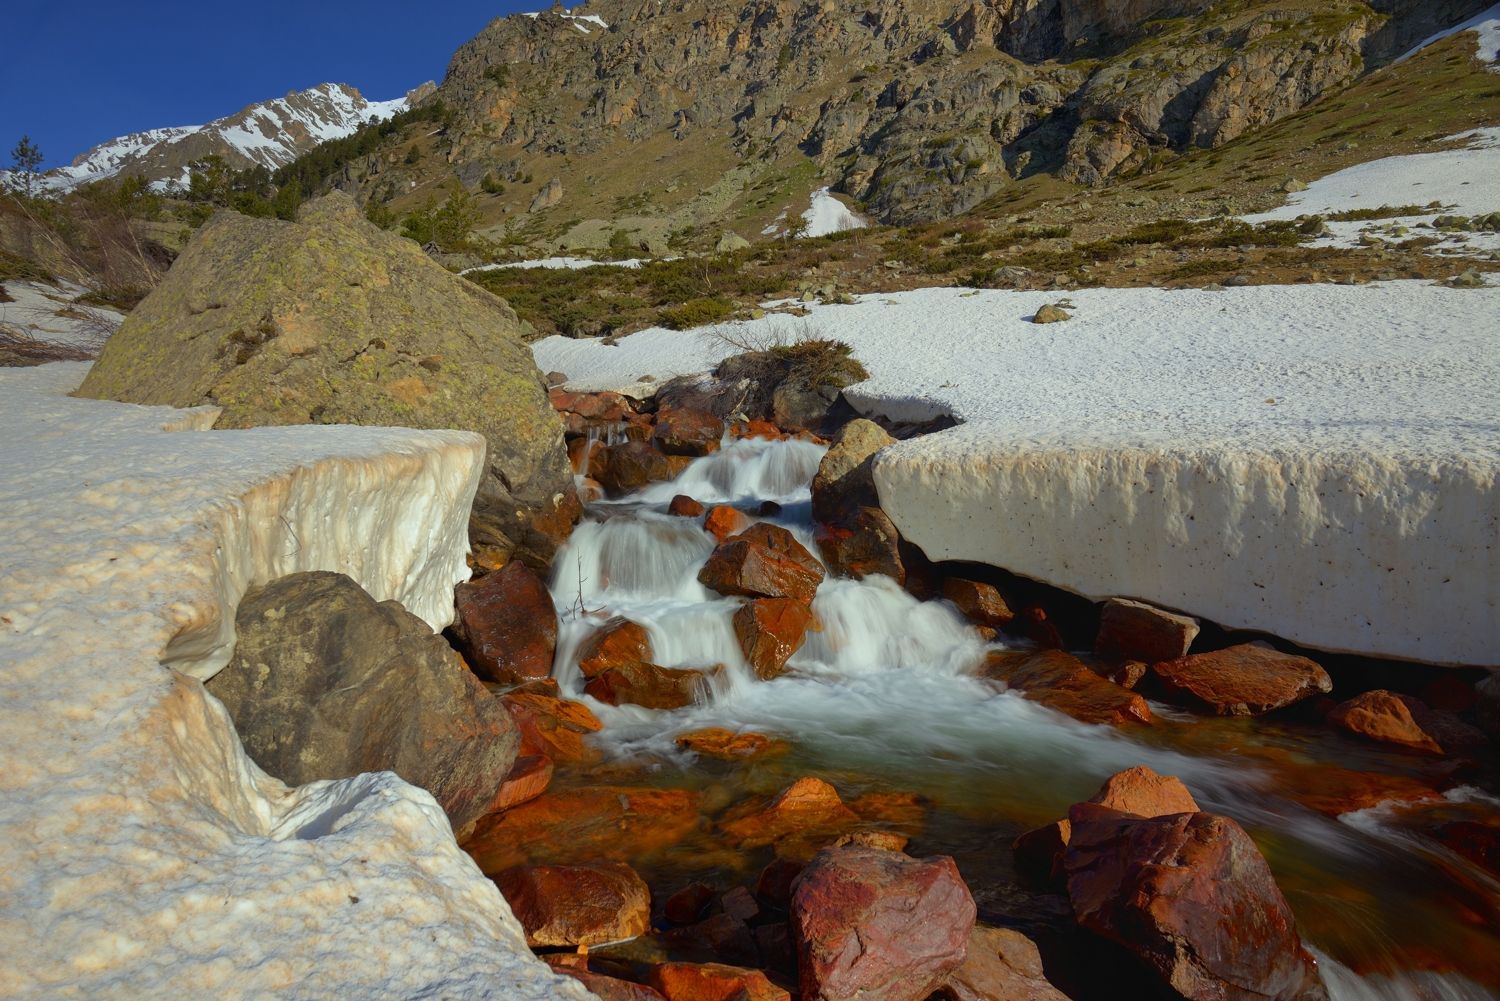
(688, 904)
(684, 506)
(763, 561)
(740, 903)
(806, 812)
(1243, 680)
(506, 624)
(861, 544)
(770, 630)
(727, 745)
(980, 603)
(722, 936)
(577, 904)
(844, 480)
(1134, 630)
(879, 926)
(650, 685)
(326, 683)
(633, 465)
(527, 779)
(714, 982)
(588, 457)
(590, 490)
(724, 522)
(687, 432)
(586, 823)
(618, 642)
(1061, 681)
(1051, 314)
(768, 509)
(773, 887)
(1189, 895)
(597, 408)
(1393, 718)
(552, 726)
(609, 988)
(1000, 963)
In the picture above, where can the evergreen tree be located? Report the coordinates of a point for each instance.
(27, 158)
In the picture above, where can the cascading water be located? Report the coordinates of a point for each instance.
(883, 691)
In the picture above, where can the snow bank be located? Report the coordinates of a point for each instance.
(1465, 181)
(827, 215)
(49, 313)
(1316, 461)
(558, 264)
(141, 852)
(1486, 24)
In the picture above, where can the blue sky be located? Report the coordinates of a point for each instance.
(75, 74)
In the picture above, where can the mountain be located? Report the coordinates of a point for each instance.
(268, 134)
(664, 116)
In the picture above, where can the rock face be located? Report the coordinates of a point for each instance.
(577, 904)
(1190, 895)
(877, 925)
(331, 320)
(1243, 680)
(506, 624)
(327, 683)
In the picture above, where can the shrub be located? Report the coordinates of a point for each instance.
(697, 312)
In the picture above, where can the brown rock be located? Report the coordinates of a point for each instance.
(1061, 681)
(684, 507)
(724, 521)
(1039, 855)
(1190, 895)
(604, 408)
(528, 778)
(879, 926)
(978, 602)
(588, 456)
(618, 642)
(1392, 718)
(740, 903)
(845, 479)
(590, 490)
(688, 904)
(1134, 630)
(652, 686)
(727, 745)
(714, 982)
(773, 887)
(687, 432)
(587, 823)
(722, 936)
(763, 561)
(1243, 680)
(862, 543)
(633, 465)
(887, 841)
(609, 988)
(770, 630)
(551, 726)
(506, 624)
(577, 904)
(1142, 793)
(808, 809)
(1001, 965)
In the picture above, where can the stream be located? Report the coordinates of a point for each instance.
(881, 698)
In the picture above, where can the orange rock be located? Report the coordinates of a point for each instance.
(770, 630)
(903, 809)
(861, 543)
(609, 988)
(714, 982)
(590, 490)
(724, 521)
(685, 431)
(589, 457)
(1243, 680)
(590, 823)
(528, 778)
(618, 643)
(758, 429)
(577, 904)
(1392, 718)
(980, 603)
(1063, 682)
(763, 561)
(605, 407)
(807, 812)
(552, 726)
(650, 685)
(506, 625)
(1142, 792)
(727, 745)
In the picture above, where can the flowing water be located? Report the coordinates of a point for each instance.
(881, 698)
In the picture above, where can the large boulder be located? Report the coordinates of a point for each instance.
(875, 925)
(506, 624)
(331, 320)
(1243, 680)
(844, 479)
(326, 683)
(1189, 895)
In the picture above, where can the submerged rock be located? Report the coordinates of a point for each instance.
(641, 683)
(327, 683)
(1243, 680)
(1061, 681)
(727, 745)
(331, 320)
(506, 624)
(577, 904)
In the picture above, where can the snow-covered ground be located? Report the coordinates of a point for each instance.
(1316, 461)
(1465, 181)
(827, 215)
(558, 264)
(49, 313)
(1485, 24)
(142, 854)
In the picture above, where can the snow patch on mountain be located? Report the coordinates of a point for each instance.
(1486, 24)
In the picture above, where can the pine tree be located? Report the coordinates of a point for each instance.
(27, 157)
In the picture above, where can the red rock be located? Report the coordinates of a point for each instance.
(617, 643)
(978, 602)
(610, 988)
(763, 561)
(1243, 680)
(684, 506)
(577, 904)
(721, 936)
(879, 926)
(681, 431)
(588, 456)
(724, 521)
(552, 726)
(770, 630)
(600, 407)
(740, 903)
(584, 824)
(506, 624)
(1392, 718)
(777, 950)
(773, 886)
(1039, 855)
(727, 745)
(1063, 682)
(633, 465)
(809, 810)
(1191, 896)
(1134, 630)
(652, 686)
(1000, 963)
(861, 544)
(528, 778)
(688, 904)
(714, 982)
